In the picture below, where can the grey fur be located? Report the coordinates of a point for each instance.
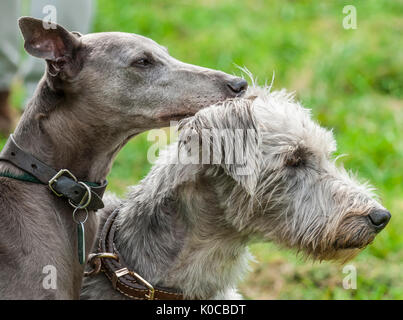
(188, 226)
(96, 94)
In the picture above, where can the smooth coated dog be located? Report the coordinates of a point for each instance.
(98, 91)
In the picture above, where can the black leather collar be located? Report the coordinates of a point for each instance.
(62, 183)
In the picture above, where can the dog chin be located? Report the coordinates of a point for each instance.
(347, 251)
(180, 116)
(175, 116)
(342, 255)
(189, 111)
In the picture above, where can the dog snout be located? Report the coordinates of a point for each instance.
(237, 86)
(379, 218)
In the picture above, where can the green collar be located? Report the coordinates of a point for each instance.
(26, 177)
(22, 177)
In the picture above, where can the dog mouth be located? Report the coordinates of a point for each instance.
(176, 116)
(188, 113)
(359, 244)
(350, 246)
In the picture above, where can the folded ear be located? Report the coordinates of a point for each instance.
(229, 137)
(52, 43)
(241, 154)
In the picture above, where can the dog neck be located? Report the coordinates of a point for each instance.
(62, 132)
(175, 237)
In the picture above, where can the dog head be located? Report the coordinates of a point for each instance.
(277, 180)
(130, 81)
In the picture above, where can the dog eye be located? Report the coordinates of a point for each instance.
(141, 62)
(296, 157)
(295, 161)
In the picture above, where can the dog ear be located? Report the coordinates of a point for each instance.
(50, 42)
(242, 156)
(229, 137)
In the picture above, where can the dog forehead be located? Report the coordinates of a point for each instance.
(284, 121)
(121, 44)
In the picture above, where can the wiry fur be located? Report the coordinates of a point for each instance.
(187, 226)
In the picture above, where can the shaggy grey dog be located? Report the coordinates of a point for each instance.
(187, 225)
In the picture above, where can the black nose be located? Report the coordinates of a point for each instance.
(238, 86)
(379, 218)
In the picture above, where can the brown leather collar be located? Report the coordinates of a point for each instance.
(127, 282)
(62, 183)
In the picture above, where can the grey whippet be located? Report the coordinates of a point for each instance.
(98, 91)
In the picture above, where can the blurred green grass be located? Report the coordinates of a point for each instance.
(351, 79)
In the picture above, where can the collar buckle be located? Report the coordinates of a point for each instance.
(124, 271)
(63, 172)
(151, 290)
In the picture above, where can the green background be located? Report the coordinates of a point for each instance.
(351, 79)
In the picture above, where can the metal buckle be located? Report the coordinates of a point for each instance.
(124, 271)
(94, 261)
(151, 290)
(117, 274)
(88, 194)
(57, 176)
